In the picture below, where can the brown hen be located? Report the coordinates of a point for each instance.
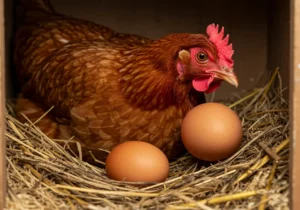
(105, 88)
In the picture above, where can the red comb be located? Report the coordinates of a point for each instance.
(225, 51)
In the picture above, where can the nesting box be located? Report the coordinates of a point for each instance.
(265, 35)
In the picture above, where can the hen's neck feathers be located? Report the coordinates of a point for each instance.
(149, 76)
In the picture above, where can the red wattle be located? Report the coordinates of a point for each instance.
(202, 84)
(205, 84)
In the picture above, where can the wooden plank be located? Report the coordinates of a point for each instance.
(295, 106)
(2, 101)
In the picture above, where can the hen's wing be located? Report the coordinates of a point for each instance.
(37, 40)
(73, 74)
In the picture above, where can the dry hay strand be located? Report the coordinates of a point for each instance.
(43, 175)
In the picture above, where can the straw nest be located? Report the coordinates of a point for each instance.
(42, 175)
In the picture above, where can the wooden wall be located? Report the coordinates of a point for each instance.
(295, 106)
(2, 115)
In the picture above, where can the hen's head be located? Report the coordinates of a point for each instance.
(169, 69)
(207, 62)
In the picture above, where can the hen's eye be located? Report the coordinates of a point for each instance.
(202, 57)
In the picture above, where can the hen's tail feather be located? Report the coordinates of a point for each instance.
(30, 10)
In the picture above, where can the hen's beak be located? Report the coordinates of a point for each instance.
(227, 75)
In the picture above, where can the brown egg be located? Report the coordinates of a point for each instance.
(137, 161)
(211, 132)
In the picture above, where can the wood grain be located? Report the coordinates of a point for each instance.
(295, 106)
(2, 101)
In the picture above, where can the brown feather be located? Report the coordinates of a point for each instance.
(106, 87)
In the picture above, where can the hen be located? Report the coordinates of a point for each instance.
(105, 88)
